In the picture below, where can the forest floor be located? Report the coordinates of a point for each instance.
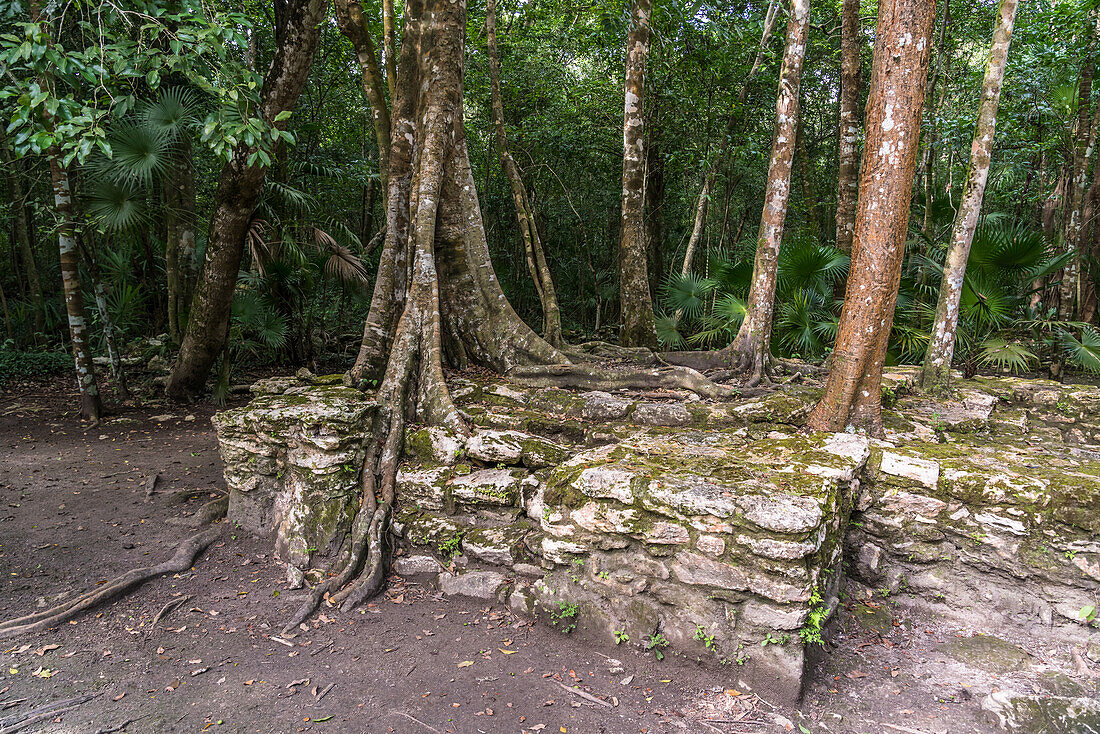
(74, 513)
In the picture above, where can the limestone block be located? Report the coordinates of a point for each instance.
(476, 584)
(661, 414)
(499, 487)
(603, 406)
(435, 444)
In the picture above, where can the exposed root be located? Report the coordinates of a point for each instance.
(182, 560)
(605, 350)
(17, 722)
(591, 377)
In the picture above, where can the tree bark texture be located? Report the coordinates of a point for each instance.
(853, 390)
(238, 192)
(525, 214)
(90, 405)
(936, 372)
(848, 146)
(702, 204)
(751, 350)
(353, 24)
(638, 328)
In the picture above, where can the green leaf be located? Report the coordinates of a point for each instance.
(284, 115)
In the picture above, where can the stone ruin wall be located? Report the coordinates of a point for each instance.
(716, 529)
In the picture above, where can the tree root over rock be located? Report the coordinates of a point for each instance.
(591, 377)
(182, 560)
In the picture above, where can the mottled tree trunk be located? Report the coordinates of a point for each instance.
(1084, 144)
(636, 303)
(353, 24)
(90, 406)
(238, 192)
(389, 46)
(525, 214)
(853, 391)
(936, 372)
(848, 145)
(702, 203)
(751, 350)
(22, 234)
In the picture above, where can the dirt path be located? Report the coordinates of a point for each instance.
(74, 513)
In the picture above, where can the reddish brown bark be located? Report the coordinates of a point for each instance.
(853, 391)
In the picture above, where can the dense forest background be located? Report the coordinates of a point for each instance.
(148, 122)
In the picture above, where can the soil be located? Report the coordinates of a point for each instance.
(74, 513)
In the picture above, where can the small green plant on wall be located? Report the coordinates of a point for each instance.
(565, 616)
(656, 643)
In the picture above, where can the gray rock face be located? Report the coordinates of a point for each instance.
(416, 565)
(603, 406)
(661, 414)
(476, 584)
(1014, 712)
(990, 516)
(292, 461)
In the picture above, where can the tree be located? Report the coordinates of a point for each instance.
(437, 297)
(353, 24)
(853, 390)
(1084, 143)
(848, 145)
(239, 188)
(751, 350)
(525, 213)
(936, 372)
(22, 233)
(638, 329)
(702, 203)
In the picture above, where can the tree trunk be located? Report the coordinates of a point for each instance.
(90, 406)
(927, 165)
(751, 350)
(179, 246)
(703, 202)
(525, 214)
(22, 234)
(853, 391)
(99, 289)
(936, 372)
(238, 192)
(1084, 143)
(848, 148)
(636, 305)
(353, 24)
(389, 46)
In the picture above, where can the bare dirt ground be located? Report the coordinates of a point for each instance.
(74, 514)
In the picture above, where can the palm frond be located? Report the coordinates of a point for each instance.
(1083, 352)
(1003, 354)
